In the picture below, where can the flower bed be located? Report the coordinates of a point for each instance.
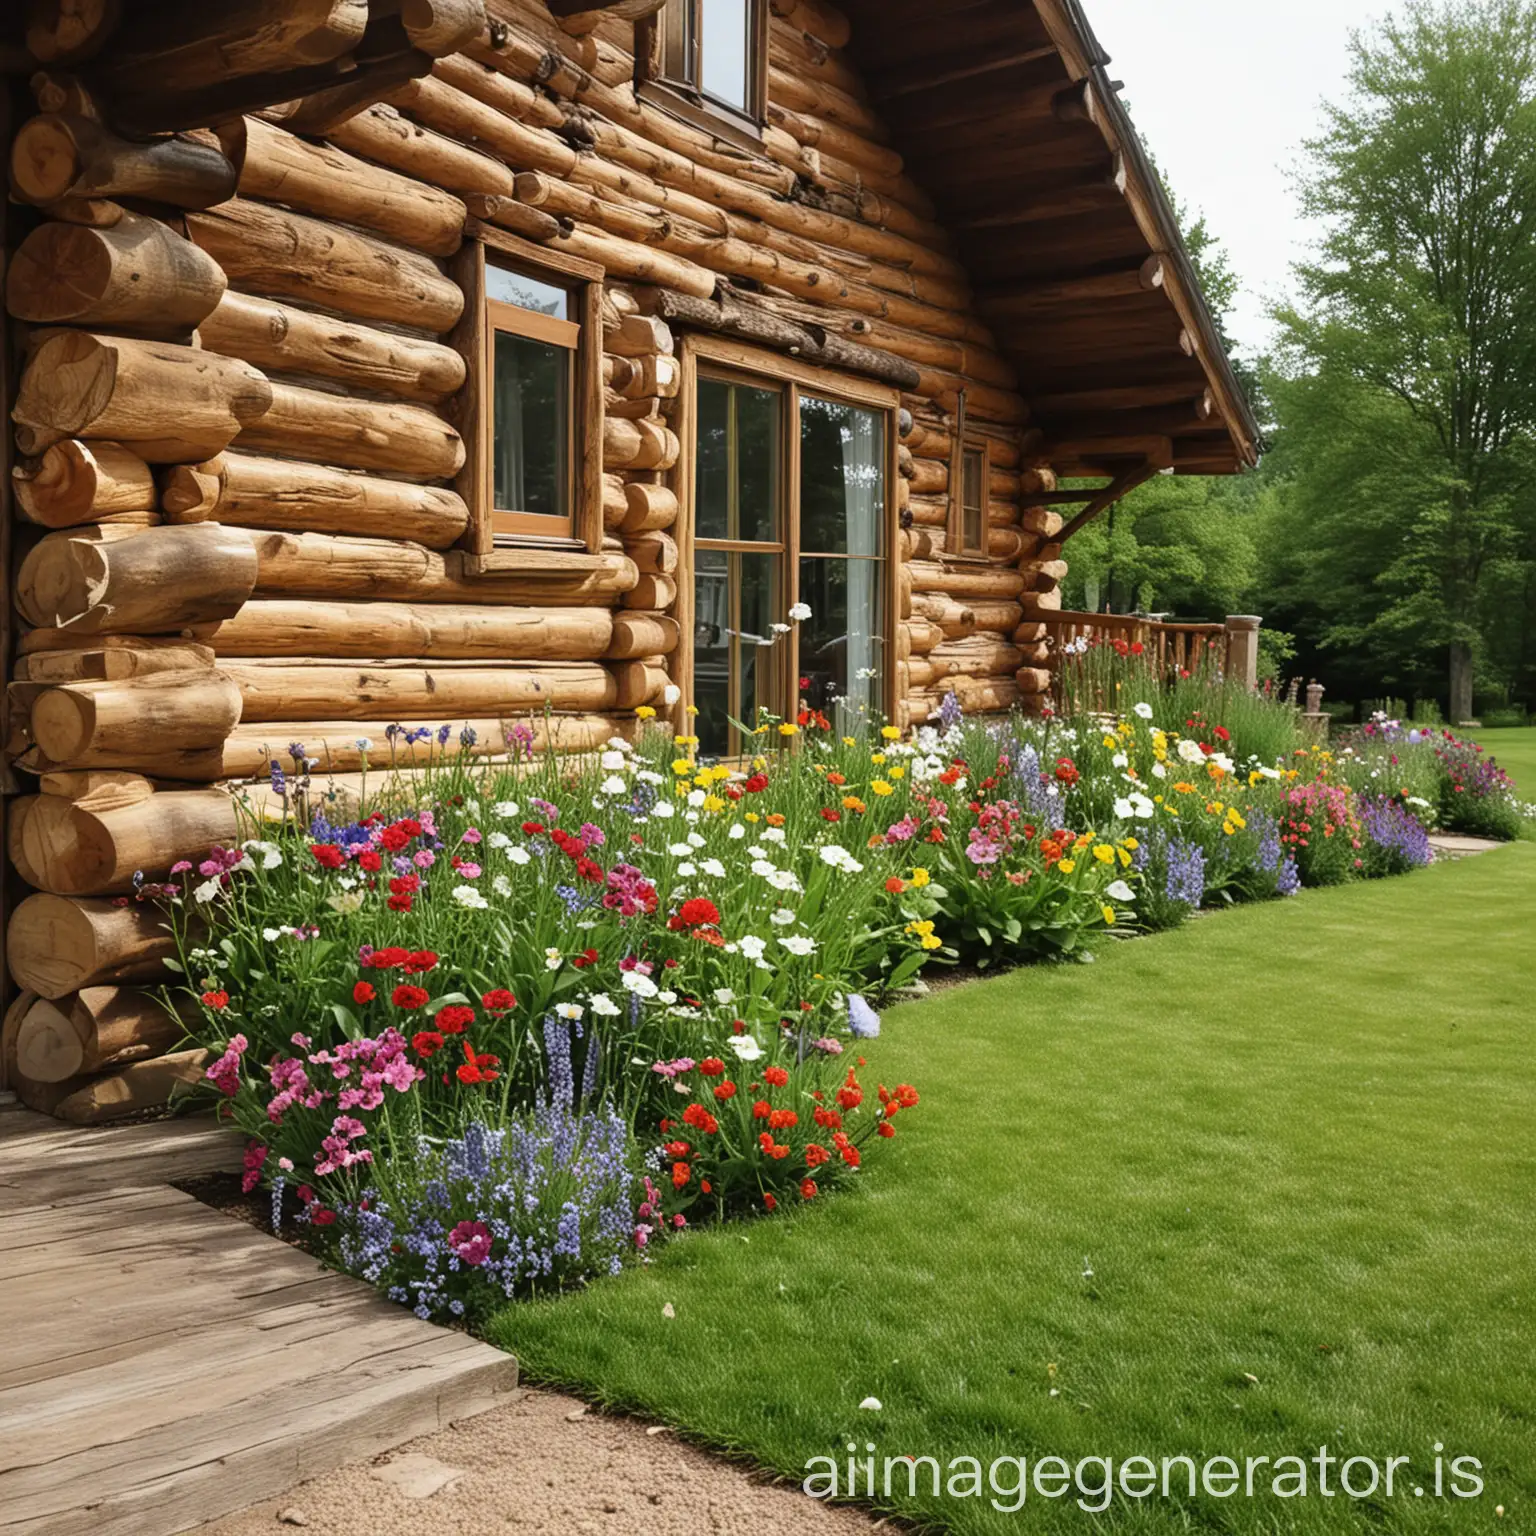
(514, 1024)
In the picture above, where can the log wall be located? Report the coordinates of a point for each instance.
(241, 412)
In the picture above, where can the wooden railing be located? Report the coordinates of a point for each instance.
(1231, 648)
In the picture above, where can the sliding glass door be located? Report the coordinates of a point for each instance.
(789, 509)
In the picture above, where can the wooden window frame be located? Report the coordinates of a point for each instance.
(967, 443)
(495, 547)
(686, 98)
(721, 358)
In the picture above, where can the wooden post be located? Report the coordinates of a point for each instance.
(1243, 648)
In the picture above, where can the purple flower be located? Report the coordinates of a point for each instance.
(863, 1021)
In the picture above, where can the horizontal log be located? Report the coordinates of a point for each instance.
(644, 444)
(336, 746)
(651, 593)
(97, 1029)
(75, 852)
(248, 491)
(99, 663)
(76, 482)
(286, 255)
(648, 506)
(357, 434)
(1033, 679)
(639, 335)
(383, 134)
(954, 618)
(1041, 521)
(139, 275)
(319, 179)
(160, 579)
(985, 655)
(966, 581)
(168, 404)
(922, 635)
(654, 553)
(977, 695)
(451, 111)
(56, 945)
(122, 723)
(1031, 632)
(441, 632)
(56, 156)
(274, 689)
(278, 338)
(132, 1089)
(636, 635)
(318, 565)
(992, 614)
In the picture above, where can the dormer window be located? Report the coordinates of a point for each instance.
(707, 61)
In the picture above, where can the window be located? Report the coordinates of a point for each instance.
(531, 413)
(789, 507)
(707, 61)
(970, 489)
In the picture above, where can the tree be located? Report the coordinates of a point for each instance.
(1418, 320)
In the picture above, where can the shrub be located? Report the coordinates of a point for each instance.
(1394, 840)
(1321, 831)
(1477, 797)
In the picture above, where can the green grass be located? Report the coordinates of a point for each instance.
(1294, 1141)
(1515, 750)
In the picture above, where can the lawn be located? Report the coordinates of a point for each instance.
(1247, 1189)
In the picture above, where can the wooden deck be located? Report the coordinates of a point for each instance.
(162, 1364)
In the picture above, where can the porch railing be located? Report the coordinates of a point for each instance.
(1170, 647)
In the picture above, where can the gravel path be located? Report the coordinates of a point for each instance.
(543, 1463)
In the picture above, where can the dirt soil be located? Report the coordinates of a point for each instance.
(544, 1463)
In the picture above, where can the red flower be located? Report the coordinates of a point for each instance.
(782, 1119)
(677, 1149)
(405, 885)
(419, 960)
(478, 1069)
(387, 959)
(816, 1155)
(531, 828)
(706, 1187)
(407, 996)
(700, 912)
(328, 855)
(1066, 771)
(363, 992)
(885, 1128)
(906, 1095)
(724, 1091)
(1221, 733)
(393, 838)
(761, 1110)
(829, 1119)
(711, 1066)
(369, 859)
(681, 1173)
(320, 1216)
(427, 1043)
(401, 903)
(895, 885)
(498, 1000)
(756, 784)
(701, 1119)
(808, 1189)
(775, 1077)
(850, 1153)
(850, 1095)
(454, 1018)
(770, 1203)
(585, 958)
(218, 1001)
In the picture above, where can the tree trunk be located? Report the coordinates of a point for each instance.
(1463, 672)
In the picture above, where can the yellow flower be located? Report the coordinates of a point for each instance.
(881, 788)
(759, 763)
(1110, 742)
(1125, 859)
(714, 803)
(753, 816)
(853, 803)
(920, 878)
(1236, 820)
(933, 941)
(899, 772)
(693, 709)
(878, 759)
(1131, 843)
(787, 728)
(1104, 854)
(1066, 866)
(1109, 915)
(926, 926)
(891, 732)
(682, 767)
(848, 741)
(645, 712)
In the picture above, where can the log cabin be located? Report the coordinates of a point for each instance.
(476, 362)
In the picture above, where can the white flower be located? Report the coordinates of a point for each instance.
(724, 996)
(664, 809)
(1159, 770)
(773, 834)
(505, 809)
(873, 1404)
(764, 868)
(745, 1047)
(833, 854)
(569, 1010)
(519, 855)
(501, 886)
(666, 996)
(736, 832)
(679, 850)
(800, 612)
(671, 694)
(696, 798)
(1189, 751)
(468, 896)
(1222, 761)
(784, 880)
(782, 918)
(1119, 891)
(205, 892)
(799, 944)
(687, 869)
(713, 867)
(271, 854)
(349, 901)
(757, 851)
(639, 983)
(613, 785)
(498, 839)
(611, 762)
(271, 935)
(1120, 760)
(1144, 710)
(694, 840)
(1142, 806)
(650, 776)
(1124, 810)
(779, 629)
(752, 947)
(551, 959)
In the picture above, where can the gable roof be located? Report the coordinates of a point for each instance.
(1005, 115)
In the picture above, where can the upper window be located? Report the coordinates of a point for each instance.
(708, 60)
(789, 513)
(534, 344)
(971, 477)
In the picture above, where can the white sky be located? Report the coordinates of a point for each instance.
(1224, 91)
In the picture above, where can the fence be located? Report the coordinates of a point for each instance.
(1232, 647)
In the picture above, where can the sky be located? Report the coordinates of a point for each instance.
(1224, 92)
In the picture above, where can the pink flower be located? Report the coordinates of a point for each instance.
(181, 866)
(423, 858)
(471, 1241)
(469, 871)
(255, 1156)
(224, 1074)
(471, 834)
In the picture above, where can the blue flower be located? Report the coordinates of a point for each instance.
(863, 1021)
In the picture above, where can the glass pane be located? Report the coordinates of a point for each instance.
(677, 40)
(526, 292)
(842, 478)
(737, 492)
(725, 51)
(973, 501)
(737, 659)
(842, 645)
(531, 391)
